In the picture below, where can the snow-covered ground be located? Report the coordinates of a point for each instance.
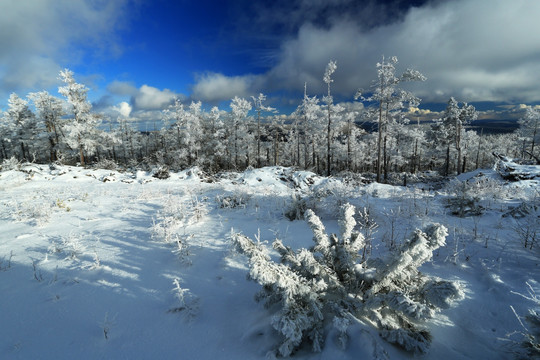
(99, 264)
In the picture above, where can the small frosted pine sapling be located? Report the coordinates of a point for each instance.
(106, 325)
(188, 303)
(530, 335)
(330, 283)
(297, 208)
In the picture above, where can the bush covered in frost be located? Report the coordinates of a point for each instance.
(329, 284)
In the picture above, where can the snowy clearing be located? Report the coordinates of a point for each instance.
(105, 264)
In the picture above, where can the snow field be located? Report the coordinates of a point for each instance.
(89, 260)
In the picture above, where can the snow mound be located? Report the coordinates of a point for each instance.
(511, 170)
(279, 178)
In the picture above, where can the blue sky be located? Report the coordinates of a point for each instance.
(137, 55)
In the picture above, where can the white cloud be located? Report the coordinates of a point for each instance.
(475, 50)
(151, 98)
(122, 88)
(124, 109)
(145, 98)
(40, 37)
(215, 87)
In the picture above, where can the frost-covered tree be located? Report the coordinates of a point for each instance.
(277, 133)
(240, 108)
(449, 130)
(19, 125)
(215, 146)
(81, 131)
(390, 99)
(50, 111)
(259, 108)
(329, 100)
(330, 283)
(529, 126)
(308, 122)
(194, 132)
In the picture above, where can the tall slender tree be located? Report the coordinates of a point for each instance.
(20, 124)
(329, 100)
(50, 111)
(259, 108)
(450, 129)
(529, 126)
(240, 108)
(390, 99)
(82, 130)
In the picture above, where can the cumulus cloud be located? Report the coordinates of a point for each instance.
(122, 88)
(40, 37)
(215, 87)
(145, 97)
(124, 109)
(474, 50)
(151, 98)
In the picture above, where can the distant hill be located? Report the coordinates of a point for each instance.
(489, 126)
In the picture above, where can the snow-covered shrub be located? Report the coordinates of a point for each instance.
(330, 195)
(73, 246)
(197, 209)
(170, 224)
(10, 164)
(527, 230)
(296, 209)
(162, 173)
(182, 247)
(169, 220)
(188, 303)
(463, 200)
(523, 210)
(329, 283)
(530, 341)
(236, 200)
(106, 164)
(106, 325)
(37, 210)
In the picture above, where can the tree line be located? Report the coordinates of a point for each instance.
(320, 135)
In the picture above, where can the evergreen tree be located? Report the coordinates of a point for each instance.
(19, 126)
(308, 123)
(450, 130)
(259, 108)
(329, 100)
(50, 112)
(391, 100)
(238, 136)
(81, 132)
(529, 129)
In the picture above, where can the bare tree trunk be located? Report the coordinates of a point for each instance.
(349, 146)
(478, 149)
(258, 138)
(534, 138)
(447, 165)
(458, 146)
(379, 145)
(328, 141)
(385, 163)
